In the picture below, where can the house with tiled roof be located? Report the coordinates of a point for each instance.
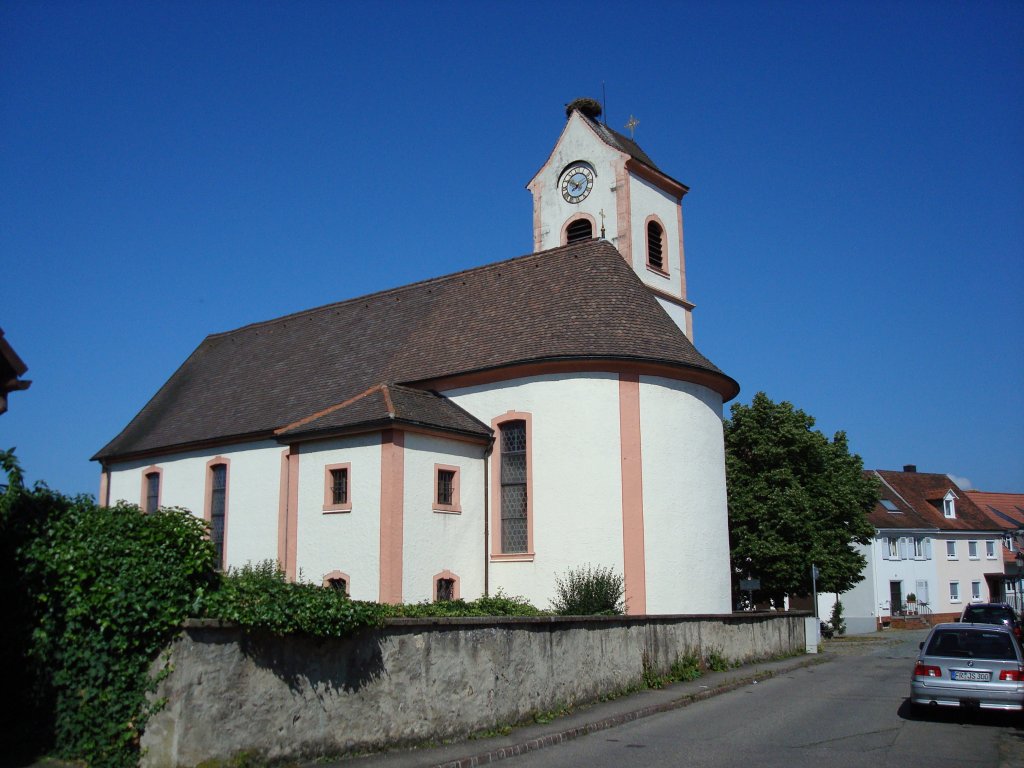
(1006, 510)
(12, 369)
(934, 551)
(415, 444)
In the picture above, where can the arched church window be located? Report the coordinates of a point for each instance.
(655, 260)
(579, 230)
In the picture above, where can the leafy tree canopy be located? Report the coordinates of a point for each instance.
(796, 498)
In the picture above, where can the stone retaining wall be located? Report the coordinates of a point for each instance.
(416, 680)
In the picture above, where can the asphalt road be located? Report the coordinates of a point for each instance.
(851, 711)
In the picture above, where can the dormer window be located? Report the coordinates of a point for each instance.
(949, 505)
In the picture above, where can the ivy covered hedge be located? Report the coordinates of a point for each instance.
(91, 596)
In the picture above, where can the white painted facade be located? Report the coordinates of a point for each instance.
(254, 471)
(577, 492)
(686, 524)
(966, 571)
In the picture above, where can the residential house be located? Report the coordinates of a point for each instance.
(12, 368)
(934, 551)
(483, 431)
(1006, 510)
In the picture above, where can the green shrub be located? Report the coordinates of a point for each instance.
(104, 590)
(260, 597)
(715, 661)
(498, 604)
(686, 667)
(589, 590)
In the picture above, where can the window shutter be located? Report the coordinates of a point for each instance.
(927, 549)
(903, 549)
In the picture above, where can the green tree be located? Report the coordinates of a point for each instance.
(796, 498)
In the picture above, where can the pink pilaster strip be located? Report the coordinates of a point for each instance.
(634, 558)
(392, 494)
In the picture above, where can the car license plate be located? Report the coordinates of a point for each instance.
(970, 675)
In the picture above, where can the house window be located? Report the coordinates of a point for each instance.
(949, 505)
(954, 591)
(446, 489)
(889, 506)
(217, 506)
(514, 533)
(894, 552)
(972, 550)
(919, 549)
(951, 550)
(578, 230)
(990, 550)
(338, 488)
(975, 590)
(151, 491)
(655, 259)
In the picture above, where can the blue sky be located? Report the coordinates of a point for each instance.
(854, 230)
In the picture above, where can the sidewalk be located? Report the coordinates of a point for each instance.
(583, 720)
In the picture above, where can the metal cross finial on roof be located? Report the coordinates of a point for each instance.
(632, 123)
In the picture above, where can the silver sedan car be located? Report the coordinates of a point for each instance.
(969, 665)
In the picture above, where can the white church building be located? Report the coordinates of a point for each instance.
(484, 430)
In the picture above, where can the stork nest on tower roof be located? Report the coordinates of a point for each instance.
(589, 107)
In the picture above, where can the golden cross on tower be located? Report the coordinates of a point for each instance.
(632, 123)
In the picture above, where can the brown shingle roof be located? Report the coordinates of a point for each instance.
(918, 499)
(578, 302)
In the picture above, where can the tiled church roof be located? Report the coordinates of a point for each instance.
(322, 368)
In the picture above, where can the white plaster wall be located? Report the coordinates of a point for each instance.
(577, 478)
(345, 541)
(686, 525)
(644, 200)
(677, 313)
(860, 604)
(577, 142)
(253, 493)
(963, 569)
(439, 541)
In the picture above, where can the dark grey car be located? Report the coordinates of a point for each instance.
(969, 665)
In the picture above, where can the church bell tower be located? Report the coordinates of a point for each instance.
(598, 183)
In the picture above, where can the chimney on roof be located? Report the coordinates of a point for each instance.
(910, 467)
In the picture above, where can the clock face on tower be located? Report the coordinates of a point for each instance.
(577, 182)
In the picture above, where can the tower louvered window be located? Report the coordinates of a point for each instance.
(655, 260)
(579, 230)
(514, 536)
